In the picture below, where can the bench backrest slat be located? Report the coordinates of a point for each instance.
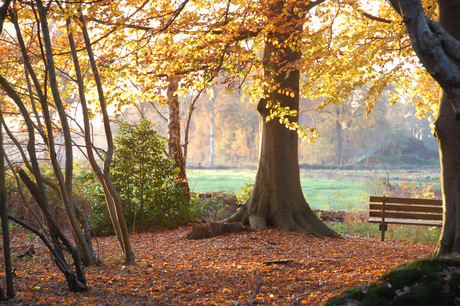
(403, 207)
(426, 212)
(405, 215)
(391, 200)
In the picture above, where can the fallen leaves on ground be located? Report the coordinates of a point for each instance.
(171, 270)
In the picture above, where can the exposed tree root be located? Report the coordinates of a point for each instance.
(302, 219)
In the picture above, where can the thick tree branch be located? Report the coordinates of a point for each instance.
(3, 13)
(429, 47)
(449, 43)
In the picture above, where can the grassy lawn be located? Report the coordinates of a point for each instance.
(205, 180)
(334, 194)
(330, 189)
(320, 193)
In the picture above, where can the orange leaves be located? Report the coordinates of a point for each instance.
(219, 270)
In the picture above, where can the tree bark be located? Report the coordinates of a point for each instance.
(448, 136)
(437, 46)
(112, 197)
(434, 46)
(174, 143)
(5, 227)
(80, 235)
(277, 198)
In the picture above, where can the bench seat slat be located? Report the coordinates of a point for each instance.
(406, 201)
(405, 215)
(412, 208)
(407, 222)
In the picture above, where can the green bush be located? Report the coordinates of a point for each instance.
(146, 181)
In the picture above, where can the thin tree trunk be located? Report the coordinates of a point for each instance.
(211, 137)
(4, 219)
(174, 143)
(84, 246)
(77, 280)
(87, 136)
(339, 139)
(112, 197)
(37, 189)
(187, 125)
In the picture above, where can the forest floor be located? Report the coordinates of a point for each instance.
(216, 271)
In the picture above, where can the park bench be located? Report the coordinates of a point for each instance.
(410, 211)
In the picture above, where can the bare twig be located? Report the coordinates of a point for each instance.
(254, 295)
(277, 262)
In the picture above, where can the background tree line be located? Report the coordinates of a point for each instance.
(348, 135)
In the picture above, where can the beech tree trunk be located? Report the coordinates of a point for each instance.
(277, 198)
(437, 47)
(448, 136)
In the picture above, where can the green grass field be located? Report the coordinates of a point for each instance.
(320, 193)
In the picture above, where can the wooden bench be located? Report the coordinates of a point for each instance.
(410, 211)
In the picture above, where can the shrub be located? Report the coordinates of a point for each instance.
(145, 180)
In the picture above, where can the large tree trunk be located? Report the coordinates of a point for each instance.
(448, 136)
(438, 52)
(277, 197)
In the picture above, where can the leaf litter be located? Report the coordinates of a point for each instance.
(222, 270)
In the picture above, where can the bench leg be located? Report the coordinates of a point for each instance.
(383, 227)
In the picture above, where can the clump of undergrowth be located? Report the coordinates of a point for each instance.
(433, 281)
(216, 206)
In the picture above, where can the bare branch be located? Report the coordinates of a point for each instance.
(375, 18)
